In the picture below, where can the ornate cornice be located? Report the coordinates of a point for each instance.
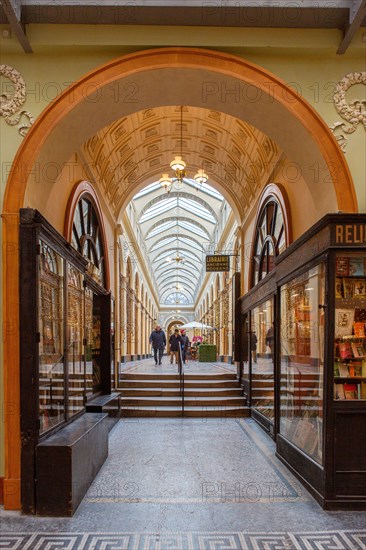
(10, 103)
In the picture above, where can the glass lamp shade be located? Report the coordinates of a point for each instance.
(201, 177)
(178, 164)
(166, 182)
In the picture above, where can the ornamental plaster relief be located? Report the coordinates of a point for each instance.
(140, 146)
(11, 102)
(353, 112)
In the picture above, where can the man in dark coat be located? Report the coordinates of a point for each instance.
(158, 341)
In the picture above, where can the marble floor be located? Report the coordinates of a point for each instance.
(147, 366)
(190, 484)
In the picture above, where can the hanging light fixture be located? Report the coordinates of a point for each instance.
(201, 177)
(179, 167)
(178, 258)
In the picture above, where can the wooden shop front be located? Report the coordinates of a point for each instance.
(66, 354)
(305, 373)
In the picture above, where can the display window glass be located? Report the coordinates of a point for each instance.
(93, 343)
(302, 361)
(261, 345)
(350, 324)
(51, 338)
(245, 328)
(75, 334)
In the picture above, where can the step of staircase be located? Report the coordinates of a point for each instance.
(175, 376)
(174, 383)
(205, 395)
(175, 392)
(200, 412)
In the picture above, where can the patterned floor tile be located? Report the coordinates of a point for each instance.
(13, 541)
(326, 540)
(54, 541)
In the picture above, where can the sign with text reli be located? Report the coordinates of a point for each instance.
(218, 262)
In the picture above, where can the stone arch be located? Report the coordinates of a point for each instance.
(57, 133)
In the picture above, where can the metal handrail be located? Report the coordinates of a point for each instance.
(49, 374)
(181, 377)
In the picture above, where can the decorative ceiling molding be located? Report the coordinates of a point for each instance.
(353, 112)
(10, 103)
(138, 148)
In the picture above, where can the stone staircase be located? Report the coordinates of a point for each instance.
(298, 394)
(205, 395)
(51, 391)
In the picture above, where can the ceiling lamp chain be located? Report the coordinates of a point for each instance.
(179, 167)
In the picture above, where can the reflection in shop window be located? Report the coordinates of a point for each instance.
(261, 345)
(51, 345)
(302, 360)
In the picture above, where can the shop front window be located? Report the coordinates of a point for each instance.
(75, 327)
(302, 361)
(51, 335)
(261, 345)
(350, 323)
(93, 343)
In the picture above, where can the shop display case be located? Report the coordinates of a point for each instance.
(318, 291)
(65, 338)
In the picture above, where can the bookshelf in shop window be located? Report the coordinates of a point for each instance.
(350, 325)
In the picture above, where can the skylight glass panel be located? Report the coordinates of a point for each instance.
(182, 280)
(162, 243)
(188, 272)
(164, 226)
(188, 254)
(172, 252)
(193, 229)
(172, 288)
(176, 298)
(166, 254)
(146, 190)
(157, 209)
(205, 188)
(191, 243)
(189, 264)
(197, 209)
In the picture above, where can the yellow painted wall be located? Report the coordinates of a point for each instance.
(305, 58)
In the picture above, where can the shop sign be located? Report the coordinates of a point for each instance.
(353, 233)
(218, 262)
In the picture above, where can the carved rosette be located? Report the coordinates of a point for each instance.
(353, 112)
(10, 103)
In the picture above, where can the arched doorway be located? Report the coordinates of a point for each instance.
(123, 86)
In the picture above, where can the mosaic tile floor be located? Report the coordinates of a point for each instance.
(190, 484)
(332, 540)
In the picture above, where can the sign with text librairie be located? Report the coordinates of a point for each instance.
(218, 262)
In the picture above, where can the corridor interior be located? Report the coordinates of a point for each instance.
(190, 484)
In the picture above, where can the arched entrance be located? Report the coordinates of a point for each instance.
(134, 82)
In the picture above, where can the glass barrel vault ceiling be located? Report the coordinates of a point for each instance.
(177, 229)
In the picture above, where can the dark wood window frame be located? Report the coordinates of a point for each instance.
(272, 203)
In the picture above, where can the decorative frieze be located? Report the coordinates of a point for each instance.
(353, 112)
(11, 102)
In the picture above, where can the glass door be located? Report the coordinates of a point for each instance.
(262, 357)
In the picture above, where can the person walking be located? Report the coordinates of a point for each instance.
(158, 341)
(184, 345)
(253, 345)
(270, 340)
(175, 342)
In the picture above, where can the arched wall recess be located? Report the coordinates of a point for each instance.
(141, 77)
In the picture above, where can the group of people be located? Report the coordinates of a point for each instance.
(178, 340)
